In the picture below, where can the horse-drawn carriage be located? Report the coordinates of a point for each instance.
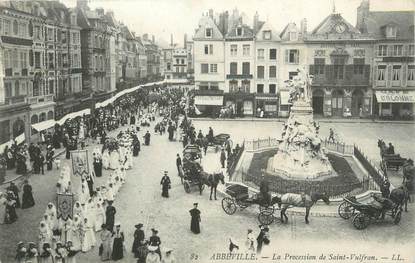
(389, 158)
(191, 169)
(217, 142)
(238, 197)
(364, 213)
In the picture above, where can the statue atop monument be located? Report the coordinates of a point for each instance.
(300, 87)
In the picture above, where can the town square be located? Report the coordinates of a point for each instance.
(246, 138)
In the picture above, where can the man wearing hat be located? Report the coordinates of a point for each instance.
(110, 216)
(166, 184)
(155, 241)
(138, 240)
(195, 221)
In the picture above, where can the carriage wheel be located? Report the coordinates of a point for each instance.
(228, 205)
(345, 210)
(186, 186)
(265, 218)
(361, 221)
(397, 218)
(269, 209)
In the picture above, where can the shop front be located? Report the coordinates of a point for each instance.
(242, 103)
(395, 104)
(208, 105)
(267, 103)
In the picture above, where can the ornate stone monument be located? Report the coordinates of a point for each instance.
(299, 153)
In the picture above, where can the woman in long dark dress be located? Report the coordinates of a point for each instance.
(155, 241)
(136, 147)
(195, 221)
(118, 245)
(11, 215)
(27, 198)
(165, 182)
(97, 165)
(20, 164)
(138, 240)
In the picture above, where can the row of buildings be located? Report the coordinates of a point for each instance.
(56, 60)
(362, 70)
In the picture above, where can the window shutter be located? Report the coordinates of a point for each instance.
(286, 55)
(311, 69)
(297, 58)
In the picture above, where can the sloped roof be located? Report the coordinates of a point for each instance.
(53, 10)
(286, 28)
(266, 26)
(83, 20)
(327, 25)
(247, 32)
(404, 20)
(207, 22)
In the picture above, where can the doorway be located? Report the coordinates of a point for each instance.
(318, 101)
(337, 103)
(357, 102)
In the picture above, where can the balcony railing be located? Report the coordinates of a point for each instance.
(346, 76)
(239, 76)
(16, 99)
(41, 99)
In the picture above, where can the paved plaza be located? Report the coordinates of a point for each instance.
(140, 201)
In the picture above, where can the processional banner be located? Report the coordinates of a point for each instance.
(65, 206)
(80, 164)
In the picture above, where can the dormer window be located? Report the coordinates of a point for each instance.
(73, 19)
(239, 31)
(267, 35)
(292, 36)
(208, 32)
(391, 31)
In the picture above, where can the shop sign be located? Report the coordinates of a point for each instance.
(395, 97)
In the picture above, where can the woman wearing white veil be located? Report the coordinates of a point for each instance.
(45, 234)
(106, 159)
(74, 233)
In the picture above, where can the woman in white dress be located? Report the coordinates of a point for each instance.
(28, 163)
(45, 234)
(75, 233)
(99, 217)
(88, 235)
(77, 209)
(3, 202)
(83, 193)
(91, 211)
(114, 160)
(106, 159)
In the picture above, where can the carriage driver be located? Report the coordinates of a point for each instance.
(381, 203)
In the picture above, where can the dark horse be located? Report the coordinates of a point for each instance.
(211, 180)
(400, 196)
(382, 147)
(299, 200)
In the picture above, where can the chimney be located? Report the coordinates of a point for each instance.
(185, 41)
(362, 15)
(303, 26)
(256, 20)
(171, 40)
(153, 39)
(211, 13)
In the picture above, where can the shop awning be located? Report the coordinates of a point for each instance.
(285, 97)
(44, 125)
(209, 100)
(395, 96)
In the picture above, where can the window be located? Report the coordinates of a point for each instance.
(7, 89)
(381, 73)
(266, 35)
(319, 64)
(37, 59)
(15, 58)
(15, 28)
(272, 54)
(338, 63)
(182, 61)
(234, 50)
(245, 85)
(208, 49)
(204, 68)
(50, 34)
(292, 36)
(239, 31)
(411, 50)
(16, 88)
(292, 56)
(260, 88)
(6, 27)
(411, 72)
(51, 86)
(168, 66)
(397, 50)
(260, 53)
(7, 61)
(177, 61)
(23, 60)
(391, 31)
(260, 72)
(396, 73)
(208, 32)
(246, 50)
(272, 88)
(233, 85)
(358, 65)
(234, 68)
(272, 71)
(246, 68)
(213, 68)
(382, 50)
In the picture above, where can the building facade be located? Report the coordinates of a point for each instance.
(179, 63)
(393, 80)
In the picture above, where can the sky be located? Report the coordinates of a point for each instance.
(165, 17)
